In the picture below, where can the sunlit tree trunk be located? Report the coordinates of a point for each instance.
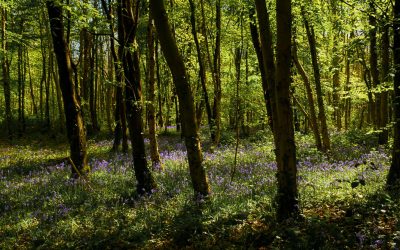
(393, 179)
(32, 93)
(268, 53)
(310, 97)
(154, 154)
(257, 47)
(283, 127)
(337, 114)
(128, 16)
(187, 108)
(120, 130)
(317, 77)
(373, 60)
(73, 112)
(6, 73)
(202, 72)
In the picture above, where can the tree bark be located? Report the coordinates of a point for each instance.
(128, 21)
(268, 53)
(187, 109)
(264, 81)
(393, 178)
(310, 97)
(322, 116)
(202, 72)
(154, 154)
(287, 195)
(217, 74)
(73, 112)
(385, 78)
(6, 74)
(373, 59)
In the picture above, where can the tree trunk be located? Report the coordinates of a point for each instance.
(393, 178)
(287, 195)
(128, 14)
(154, 154)
(32, 93)
(337, 114)
(217, 76)
(322, 116)
(59, 101)
(160, 102)
(73, 113)
(187, 109)
(385, 78)
(257, 47)
(268, 53)
(347, 106)
(310, 97)
(373, 58)
(93, 86)
(6, 73)
(202, 72)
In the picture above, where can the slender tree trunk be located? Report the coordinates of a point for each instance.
(393, 178)
(337, 114)
(120, 129)
(264, 80)
(154, 154)
(32, 92)
(202, 71)
(47, 90)
(6, 73)
(267, 52)
(73, 112)
(374, 63)
(59, 100)
(385, 58)
(347, 106)
(217, 74)
(322, 116)
(160, 103)
(93, 85)
(187, 109)
(128, 14)
(21, 88)
(310, 97)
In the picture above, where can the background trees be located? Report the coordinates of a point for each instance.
(342, 70)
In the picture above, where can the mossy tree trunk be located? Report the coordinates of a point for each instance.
(185, 95)
(73, 112)
(154, 153)
(128, 16)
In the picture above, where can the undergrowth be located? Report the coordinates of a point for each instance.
(342, 198)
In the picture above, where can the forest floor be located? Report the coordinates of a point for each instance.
(342, 198)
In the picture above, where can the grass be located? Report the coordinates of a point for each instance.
(342, 198)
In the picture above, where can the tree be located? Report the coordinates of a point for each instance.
(187, 108)
(154, 154)
(393, 178)
(128, 18)
(73, 112)
(310, 97)
(6, 73)
(284, 131)
(317, 78)
(285, 149)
